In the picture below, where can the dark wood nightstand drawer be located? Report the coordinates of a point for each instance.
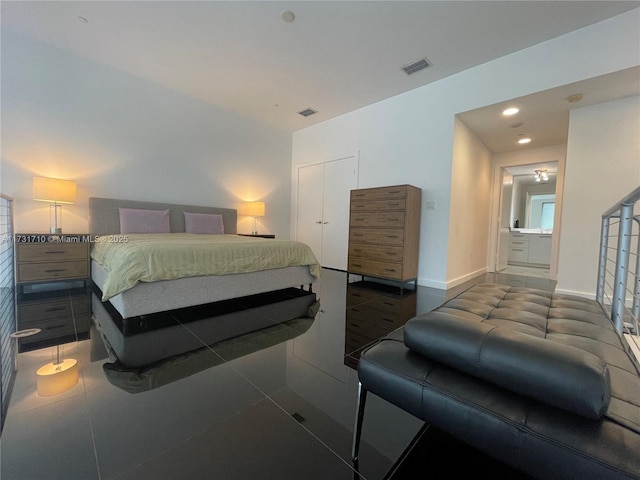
(32, 272)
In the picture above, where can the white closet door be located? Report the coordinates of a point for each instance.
(340, 177)
(310, 199)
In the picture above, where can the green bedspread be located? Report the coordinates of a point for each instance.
(152, 257)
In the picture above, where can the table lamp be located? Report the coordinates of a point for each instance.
(56, 192)
(252, 209)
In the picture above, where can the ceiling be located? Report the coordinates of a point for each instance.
(334, 57)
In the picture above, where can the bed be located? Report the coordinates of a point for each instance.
(142, 319)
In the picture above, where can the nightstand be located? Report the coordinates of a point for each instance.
(52, 294)
(258, 235)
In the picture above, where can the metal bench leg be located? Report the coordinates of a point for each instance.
(357, 429)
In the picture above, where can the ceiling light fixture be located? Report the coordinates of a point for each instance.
(541, 176)
(510, 111)
(524, 140)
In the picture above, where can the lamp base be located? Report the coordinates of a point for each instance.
(56, 230)
(54, 378)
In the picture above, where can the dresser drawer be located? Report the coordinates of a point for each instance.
(375, 268)
(387, 236)
(52, 252)
(387, 253)
(381, 219)
(31, 272)
(379, 193)
(39, 311)
(378, 205)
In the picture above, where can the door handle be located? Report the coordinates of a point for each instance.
(325, 223)
(319, 222)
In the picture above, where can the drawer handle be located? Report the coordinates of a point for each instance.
(55, 309)
(53, 252)
(387, 320)
(55, 270)
(518, 249)
(52, 327)
(391, 236)
(391, 304)
(389, 269)
(390, 253)
(394, 191)
(356, 265)
(394, 219)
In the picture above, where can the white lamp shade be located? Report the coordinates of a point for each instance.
(252, 209)
(54, 190)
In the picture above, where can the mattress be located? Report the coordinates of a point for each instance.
(154, 297)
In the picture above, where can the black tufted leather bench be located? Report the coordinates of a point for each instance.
(538, 380)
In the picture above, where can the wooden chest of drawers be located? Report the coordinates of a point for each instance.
(384, 232)
(52, 292)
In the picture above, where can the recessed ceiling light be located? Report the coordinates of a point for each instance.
(524, 140)
(510, 111)
(288, 16)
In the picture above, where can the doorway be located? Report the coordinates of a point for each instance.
(527, 204)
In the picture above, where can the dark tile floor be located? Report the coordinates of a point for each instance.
(276, 404)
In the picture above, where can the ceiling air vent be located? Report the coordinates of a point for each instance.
(416, 66)
(307, 112)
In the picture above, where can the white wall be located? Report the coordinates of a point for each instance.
(409, 138)
(603, 165)
(120, 136)
(469, 218)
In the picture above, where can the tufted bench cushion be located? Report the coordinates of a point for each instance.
(555, 394)
(563, 376)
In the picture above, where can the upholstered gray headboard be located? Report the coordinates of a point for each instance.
(104, 217)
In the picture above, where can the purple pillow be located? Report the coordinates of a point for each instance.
(133, 220)
(203, 223)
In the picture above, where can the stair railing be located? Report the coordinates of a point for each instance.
(618, 289)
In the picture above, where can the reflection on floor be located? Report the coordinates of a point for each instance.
(526, 271)
(284, 409)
